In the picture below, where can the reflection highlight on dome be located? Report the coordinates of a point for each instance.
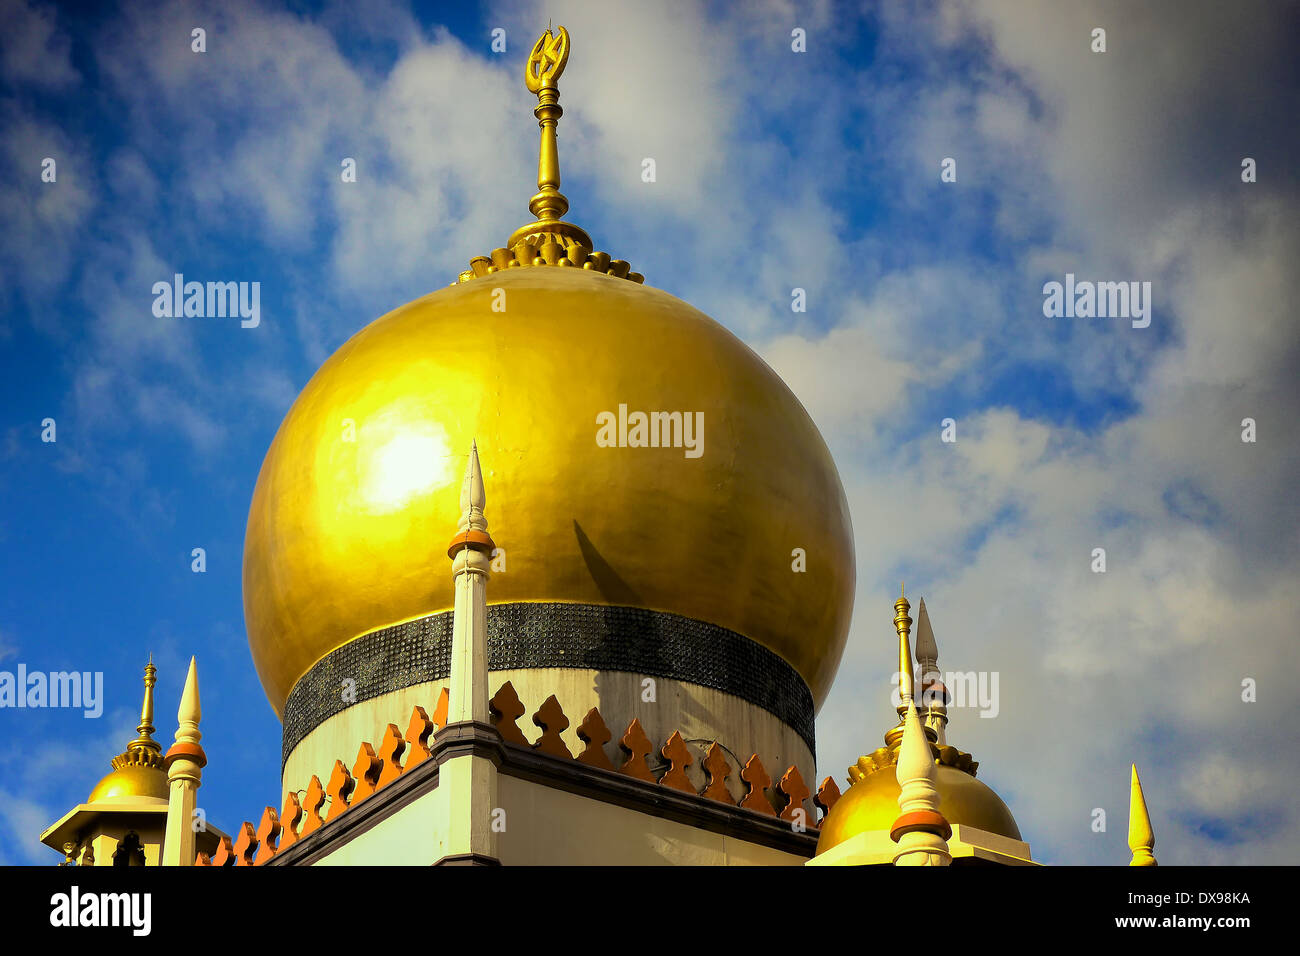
(413, 460)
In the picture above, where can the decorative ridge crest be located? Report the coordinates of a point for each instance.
(886, 758)
(785, 798)
(551, 250)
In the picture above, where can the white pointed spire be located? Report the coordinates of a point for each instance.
(934, 701)
(184, 761)
(472, 495)
(469, 779)
(920, 831)
(927, 651)
(189, 713)
(470, 551)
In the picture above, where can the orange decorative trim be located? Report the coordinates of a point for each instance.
(827, 794)
(637, 746)
(930, 693)
(928, 820)
(245, 845)
(225, 855)
(478, 540)
(289, 820)
(373, 771)
(505, 708)
(366, 773)
(311, 805)
(268, 829)
(182, 749)
(796, 792)
(340, 786)
(391, 748)
(717, 768)
(550, 718)
(679, 758)
(757, 777)
(594, 734)
(417, 735)
(440, 709)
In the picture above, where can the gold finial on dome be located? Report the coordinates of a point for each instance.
(541, 76)
(903, 624)
(912, 789)
(548, 240)
(138, 770)
(906, 677)
(145, 728)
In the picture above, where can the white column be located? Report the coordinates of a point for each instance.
(468, 782)
(184, 761)
(917, 794)
(471, 560)
(920, 831)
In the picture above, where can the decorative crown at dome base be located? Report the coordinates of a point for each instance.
(548, 253)
(885, 758)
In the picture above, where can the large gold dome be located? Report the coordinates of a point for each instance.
(358, 494)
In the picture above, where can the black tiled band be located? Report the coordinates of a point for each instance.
(585, 636)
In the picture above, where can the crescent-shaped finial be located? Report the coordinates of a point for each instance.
(546, 62)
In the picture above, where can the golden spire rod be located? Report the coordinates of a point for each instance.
(145, 728)
(542, 72)
(1141, 838)
(903, 624)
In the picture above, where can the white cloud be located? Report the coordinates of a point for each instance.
(35, 52)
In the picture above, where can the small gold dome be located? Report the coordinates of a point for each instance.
(138, 770)
(871, 804)
(132, 780)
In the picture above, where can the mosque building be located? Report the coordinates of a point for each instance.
(624, 670)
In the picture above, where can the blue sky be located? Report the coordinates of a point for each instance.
(776, 170)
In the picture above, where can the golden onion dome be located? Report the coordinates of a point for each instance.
(354, 500)
(137, 771)
(547, 354)
(132, 780)
(871, 803)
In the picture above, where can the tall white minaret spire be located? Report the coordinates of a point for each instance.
(471, 554)
(184, 762)
(920, 831)
(469, 776)
(934, 696)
